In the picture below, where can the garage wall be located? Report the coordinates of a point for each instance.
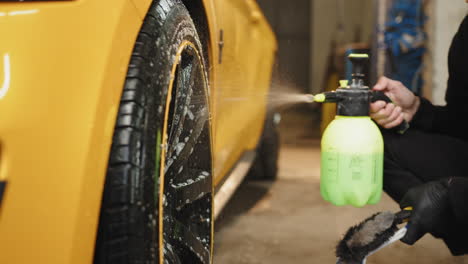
(324, 20)
(445, 20)
(291, 22)
(306, 29)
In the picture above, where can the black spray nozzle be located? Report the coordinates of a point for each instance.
(327, 97)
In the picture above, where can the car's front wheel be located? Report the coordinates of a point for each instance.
(157, 201)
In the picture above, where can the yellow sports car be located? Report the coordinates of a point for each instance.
(126, 124)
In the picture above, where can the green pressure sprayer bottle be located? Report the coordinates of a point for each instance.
(352, 145)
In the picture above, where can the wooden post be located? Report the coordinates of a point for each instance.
(428, 59)
(381, 19)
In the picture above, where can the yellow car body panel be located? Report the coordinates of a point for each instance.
(67, 63)
(242, 81)
(62, 70)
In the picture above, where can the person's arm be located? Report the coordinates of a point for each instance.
(419, 112)
(431, 118)
(449, 119)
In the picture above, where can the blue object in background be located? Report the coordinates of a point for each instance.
(405, 41)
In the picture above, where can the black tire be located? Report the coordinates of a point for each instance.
(265, 165)
(141, 197)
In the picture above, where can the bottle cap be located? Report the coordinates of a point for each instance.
(343, 83)
(358, 55)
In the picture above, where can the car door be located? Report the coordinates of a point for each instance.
(247, 47)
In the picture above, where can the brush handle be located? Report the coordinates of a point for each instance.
(397, 236)
(403, 216)
(380, 96)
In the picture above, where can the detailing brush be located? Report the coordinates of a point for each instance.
(371, 235)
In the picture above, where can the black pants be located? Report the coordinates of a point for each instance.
(418, 157)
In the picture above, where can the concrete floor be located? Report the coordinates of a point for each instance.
(288, 222)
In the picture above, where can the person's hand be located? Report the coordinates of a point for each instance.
(430, 210)
(404, 106)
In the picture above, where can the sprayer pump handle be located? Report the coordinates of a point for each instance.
(359, 62)
(403, 216)
(380, 96)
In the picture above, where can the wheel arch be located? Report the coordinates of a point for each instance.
(198, 12)
(203, 14)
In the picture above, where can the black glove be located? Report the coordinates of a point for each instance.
(430, 210)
